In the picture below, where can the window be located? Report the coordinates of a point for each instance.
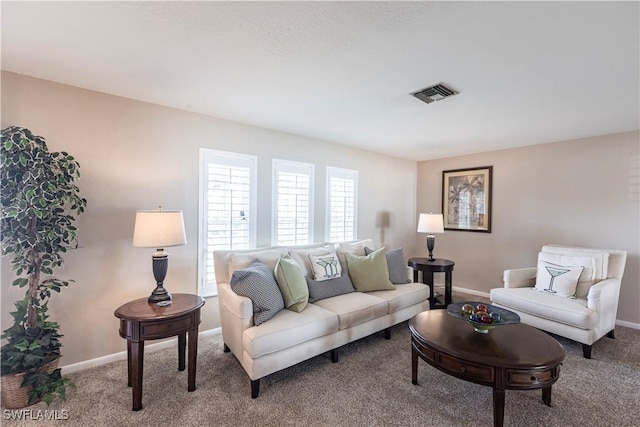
(342, 204)
(227, 209)
(293, 203)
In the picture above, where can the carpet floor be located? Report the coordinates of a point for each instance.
(369, 386)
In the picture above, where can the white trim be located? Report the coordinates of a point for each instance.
(116, 357)
(470, 291)
(208, 156)
(346, 174)
(628, 324)
(308, 169)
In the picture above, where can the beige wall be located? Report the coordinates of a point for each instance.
(581, 192)
(134, 156)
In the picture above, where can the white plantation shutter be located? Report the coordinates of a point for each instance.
(293, 203)
(342, 188)
(227, 208)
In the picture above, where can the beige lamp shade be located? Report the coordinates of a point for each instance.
(159, 229)
(430, 223)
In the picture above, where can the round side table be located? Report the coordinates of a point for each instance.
(428, 268)
(141, 320)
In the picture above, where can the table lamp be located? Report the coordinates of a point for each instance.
(159, 229)
(430, 223)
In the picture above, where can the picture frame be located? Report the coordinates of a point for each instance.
(466, 199)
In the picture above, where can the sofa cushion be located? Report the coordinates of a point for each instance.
(369, 272)
(287, 329)
(292, 284)
(301, 256)
(270, 257)
(354, 308)
(558, 280)
(396, 264)
(329, 288)
(601, 258)
(573, 312)
(258, 283)
(588, 274)
(325, 267)
(356, 248)
(403, 296)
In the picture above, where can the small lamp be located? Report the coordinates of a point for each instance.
(431, 223)
(159, 229)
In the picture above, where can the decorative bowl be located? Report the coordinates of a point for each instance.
(502, 317)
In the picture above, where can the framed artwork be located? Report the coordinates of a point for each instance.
(466, 199)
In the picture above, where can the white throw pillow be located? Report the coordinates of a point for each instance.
(301, 256)
(559, 280)
(590, 273)
(325, 267)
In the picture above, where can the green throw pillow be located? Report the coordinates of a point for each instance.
(369, 273)
(292, 284)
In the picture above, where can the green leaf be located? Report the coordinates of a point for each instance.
(22, 345)
(20, 282)
(34, 346)
(10, 213)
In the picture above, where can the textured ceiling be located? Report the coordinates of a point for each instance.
(527, 72)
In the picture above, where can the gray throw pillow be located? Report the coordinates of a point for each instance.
(396, 265)
(329, 288)
(258, 283)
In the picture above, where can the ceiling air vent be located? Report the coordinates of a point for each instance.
(434, 93)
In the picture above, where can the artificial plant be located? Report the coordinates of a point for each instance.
(39, 198)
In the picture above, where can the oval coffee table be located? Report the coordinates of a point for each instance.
(509, 357)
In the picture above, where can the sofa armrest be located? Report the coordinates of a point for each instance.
(236, 315)
(520, 277)
(410, 273)
(237, 305)
(603, 298)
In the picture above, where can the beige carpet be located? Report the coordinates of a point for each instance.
(370, 386)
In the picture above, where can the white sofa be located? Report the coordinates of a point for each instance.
(587, 315)
(290, 337)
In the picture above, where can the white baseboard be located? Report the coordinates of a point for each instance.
(470, 291)
(628, 324)
(80, 366)
(486, 295)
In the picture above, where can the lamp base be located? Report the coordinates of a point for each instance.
(159, 294)
(431, 243)
(160, 266)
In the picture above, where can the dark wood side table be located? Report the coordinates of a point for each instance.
(428, 268)
(141, 320)
(509, 357)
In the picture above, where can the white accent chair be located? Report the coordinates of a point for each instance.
(585, 317)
